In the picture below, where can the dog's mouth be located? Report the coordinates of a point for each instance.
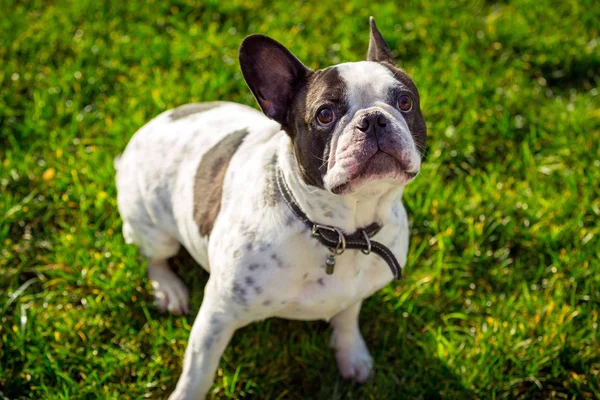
(380, 166)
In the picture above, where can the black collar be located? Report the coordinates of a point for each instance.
(335, 239)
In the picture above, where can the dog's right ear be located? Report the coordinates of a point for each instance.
(272, 73)
(378, 48)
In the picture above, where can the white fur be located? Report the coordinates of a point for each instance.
(367, 82)
(281, 272)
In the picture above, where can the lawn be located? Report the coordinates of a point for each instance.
(501, 295)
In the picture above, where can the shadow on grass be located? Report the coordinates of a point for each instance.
(278, 358)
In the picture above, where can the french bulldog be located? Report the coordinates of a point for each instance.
(295, 212)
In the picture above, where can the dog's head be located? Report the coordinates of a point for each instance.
(354, 127)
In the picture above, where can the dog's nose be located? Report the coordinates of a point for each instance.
(374, 120)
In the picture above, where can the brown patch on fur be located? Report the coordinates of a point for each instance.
(193, 108)
(208, 183)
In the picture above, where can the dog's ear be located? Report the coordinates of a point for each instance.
(272, 73)
(378, 48)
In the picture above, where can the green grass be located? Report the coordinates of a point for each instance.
(501, 296)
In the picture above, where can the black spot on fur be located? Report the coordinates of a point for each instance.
(239, 294)
(208, 183)
(267, 302)
(305, 276)
(208, 342)
(249, 281)
(321, 282)
(394, 241)
(254, 267)
(215, 332)
(278, 260)
(257, 289)
(248, 232)
(194, 108)
(323, 206)
(289, 220)
(262, 247)
(328, 214)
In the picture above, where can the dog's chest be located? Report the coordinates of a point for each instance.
(310, 293)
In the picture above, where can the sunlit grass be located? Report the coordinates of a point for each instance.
(502, 292)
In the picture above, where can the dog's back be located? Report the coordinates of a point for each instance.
(172, 145)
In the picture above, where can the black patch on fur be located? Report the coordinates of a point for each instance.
(271, 194)
(267, 302)
(249, 281)
(321, 282)
(414, 119)
(311, 142)
(194, 108)
(208, 183)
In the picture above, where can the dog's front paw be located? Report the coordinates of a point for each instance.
(353, 359)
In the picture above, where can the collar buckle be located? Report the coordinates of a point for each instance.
(341, 242)
(366, 251)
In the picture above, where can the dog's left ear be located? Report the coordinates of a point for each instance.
(272, 73)
(378, 48)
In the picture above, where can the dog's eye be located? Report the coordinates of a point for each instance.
(404, 103)
(325, 116)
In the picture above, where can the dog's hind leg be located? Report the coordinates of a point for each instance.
(351, 353)
(170, 292)
(209, 337)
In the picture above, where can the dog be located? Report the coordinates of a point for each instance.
(295, 212)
